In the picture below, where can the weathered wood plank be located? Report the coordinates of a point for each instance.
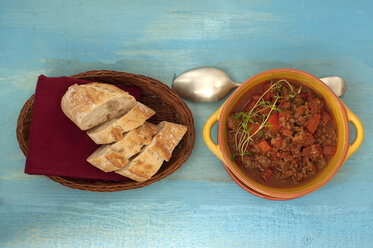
(199, 205)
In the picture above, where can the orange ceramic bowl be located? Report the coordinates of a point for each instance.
(342, 116)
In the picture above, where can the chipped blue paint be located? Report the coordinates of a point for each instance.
(199, 205)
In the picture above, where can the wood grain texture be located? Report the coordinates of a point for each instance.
(199, 205)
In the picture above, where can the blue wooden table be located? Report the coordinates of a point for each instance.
(199, 205)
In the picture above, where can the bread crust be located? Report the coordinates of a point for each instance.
(148, 162)
(112, 131)
(80, 102)
(113, 157)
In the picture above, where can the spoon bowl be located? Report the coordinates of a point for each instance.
(203, 85)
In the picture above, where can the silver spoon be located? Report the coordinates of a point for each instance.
(211, 84)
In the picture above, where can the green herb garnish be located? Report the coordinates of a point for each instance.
(260, 133)
(261, 113)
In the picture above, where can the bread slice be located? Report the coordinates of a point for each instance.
(113, 130)
(113, 157)
(99, 160)
(89, 105)
(151, 158)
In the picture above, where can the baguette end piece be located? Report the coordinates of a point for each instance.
(88, 105)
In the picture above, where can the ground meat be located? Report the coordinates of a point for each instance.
(287, 170)
(300, 137)
(267, 134)
(298, 101)
(301, 120)
(286, 152)
(283, 118)
(231, 123)
(277, 141)
(315, 105)
(324, 135)
(307, 169)
(263, 160)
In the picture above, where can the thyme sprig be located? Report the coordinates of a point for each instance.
(258, 117)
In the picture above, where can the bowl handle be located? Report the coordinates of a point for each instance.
(359, 132)
(207, 133)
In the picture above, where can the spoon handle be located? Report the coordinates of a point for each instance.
(235, 84)
(335, 83)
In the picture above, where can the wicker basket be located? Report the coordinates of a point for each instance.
(168, 105)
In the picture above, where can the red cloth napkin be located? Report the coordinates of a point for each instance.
(57, 147)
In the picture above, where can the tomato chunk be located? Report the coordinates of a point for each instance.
(267, 174)
(273, 121)
(312, 123)
(264, 146)
(325, 116)
(329, 150)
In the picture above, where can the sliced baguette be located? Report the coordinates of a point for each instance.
(89, 105)
(112, 131)
(99, 160)
(113, 157)
(151, 158)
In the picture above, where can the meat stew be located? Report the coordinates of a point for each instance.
(281, 133)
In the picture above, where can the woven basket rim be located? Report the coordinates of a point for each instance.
(153, 86)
